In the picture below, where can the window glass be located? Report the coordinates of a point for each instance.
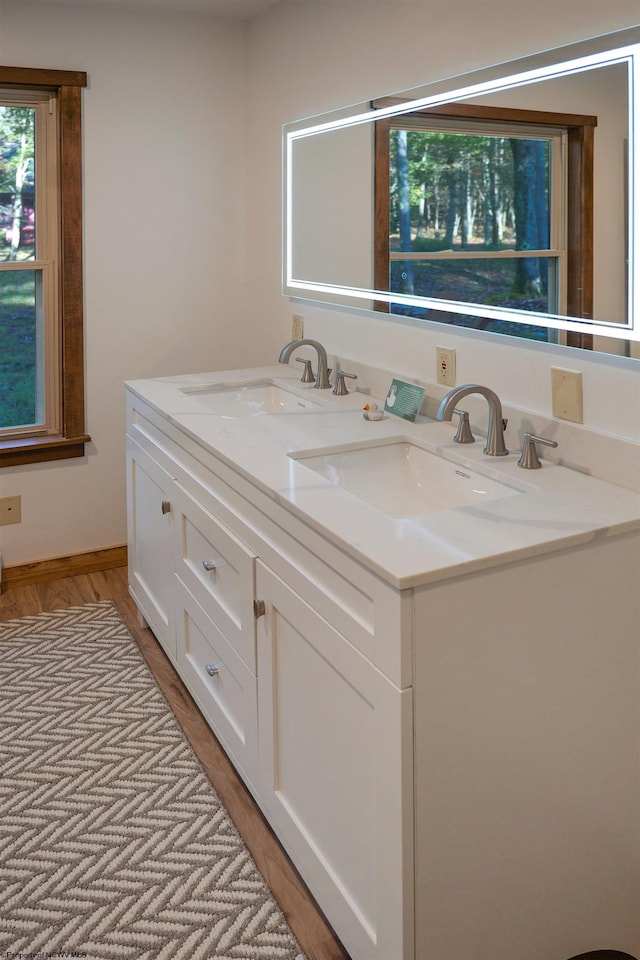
(17, 183)
(21, 358)
(490, 280)
(475, 211)
(21, 372)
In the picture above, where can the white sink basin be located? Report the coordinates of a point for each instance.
(402, 479)
(250, 398)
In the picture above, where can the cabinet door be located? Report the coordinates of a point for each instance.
(336, 772)
(150, 543)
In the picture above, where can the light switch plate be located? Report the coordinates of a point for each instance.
(566, 394)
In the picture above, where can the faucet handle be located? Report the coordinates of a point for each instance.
(340, 387)
(529, 459)
(463, 433)
(307, 373)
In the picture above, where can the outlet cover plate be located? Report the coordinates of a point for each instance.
(10, 511)
(446, 366)
(566, 394)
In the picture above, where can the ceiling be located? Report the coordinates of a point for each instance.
(240, 9)
(236, 9)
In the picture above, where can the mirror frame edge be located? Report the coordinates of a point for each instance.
(577, 328)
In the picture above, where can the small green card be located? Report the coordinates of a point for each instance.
(404, 400)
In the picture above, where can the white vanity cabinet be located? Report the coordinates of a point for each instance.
(276, 637)
(451, 766)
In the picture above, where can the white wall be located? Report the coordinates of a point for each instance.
(172, 283)
(307, 58)
(164, 153)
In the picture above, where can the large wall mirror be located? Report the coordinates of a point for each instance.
(506, 200)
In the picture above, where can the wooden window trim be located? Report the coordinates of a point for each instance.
(579, 200)
(69, 443)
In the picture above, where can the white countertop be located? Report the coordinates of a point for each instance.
(555, 508)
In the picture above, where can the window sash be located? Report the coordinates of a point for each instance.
(573, 189)
(47, 377)
(558, 171)
(43, 265)
(69, 442)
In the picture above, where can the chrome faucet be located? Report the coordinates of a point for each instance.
(322, 376)
(495, 432)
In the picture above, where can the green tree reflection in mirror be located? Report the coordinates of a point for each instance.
(476, 212)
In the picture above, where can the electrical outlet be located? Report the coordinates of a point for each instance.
(297, 326)
(566, 394)
(446, 366)
(10, 510)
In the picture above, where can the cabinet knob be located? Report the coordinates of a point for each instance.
(259, 609)
(166, 506)
(213, 669)
(209, 565)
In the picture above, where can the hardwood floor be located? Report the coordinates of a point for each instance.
(314, 935)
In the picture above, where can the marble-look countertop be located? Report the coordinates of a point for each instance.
(551, 508)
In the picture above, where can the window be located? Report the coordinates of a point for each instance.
(41, 291)
(488, 206)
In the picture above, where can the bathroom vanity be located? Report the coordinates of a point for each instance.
(435, 704)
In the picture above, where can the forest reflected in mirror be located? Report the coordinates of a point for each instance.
(476, 210)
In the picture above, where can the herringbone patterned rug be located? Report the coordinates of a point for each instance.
(113, 844)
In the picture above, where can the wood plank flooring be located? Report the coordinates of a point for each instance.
(309, 926)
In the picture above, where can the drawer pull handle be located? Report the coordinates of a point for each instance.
(166, 506)
(209, 565)
(259, 609)
(213, 669)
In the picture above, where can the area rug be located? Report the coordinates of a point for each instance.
(113, 843)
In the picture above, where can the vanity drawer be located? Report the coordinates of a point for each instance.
(220, 683)
(219, 571)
